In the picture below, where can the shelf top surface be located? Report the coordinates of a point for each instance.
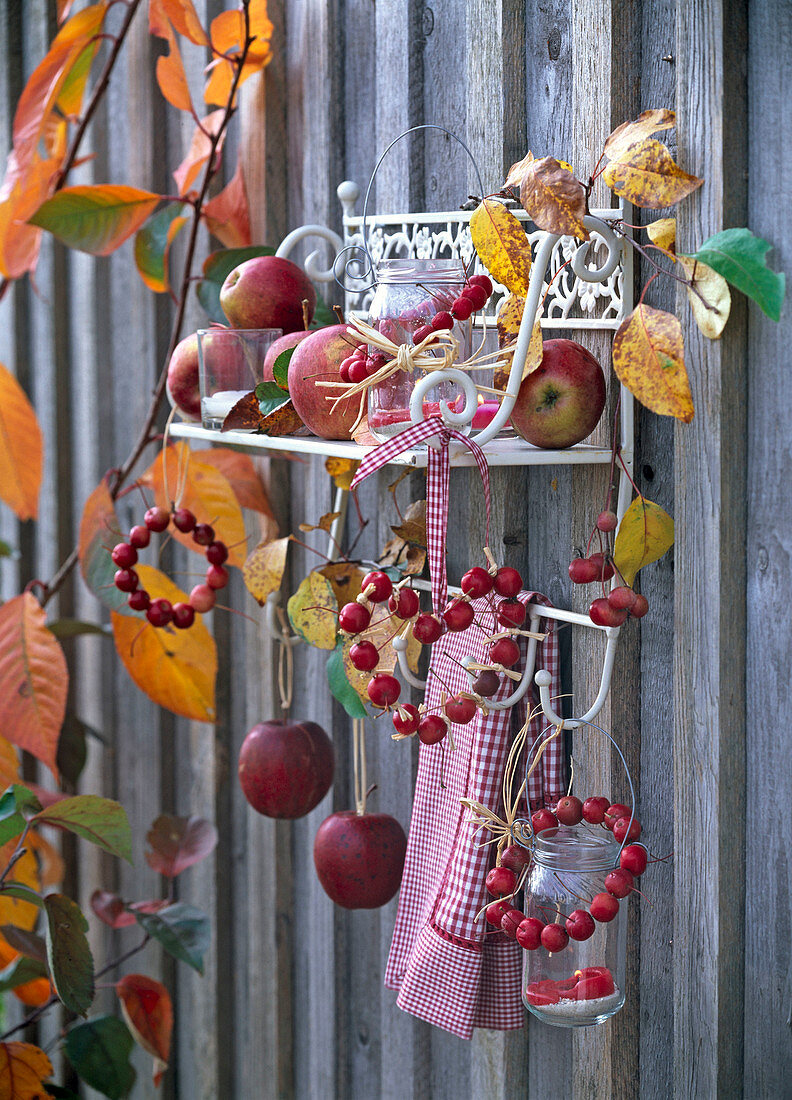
(506, 451)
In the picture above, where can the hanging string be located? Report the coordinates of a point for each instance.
(183, 463)
(285, 664)
(359, 765)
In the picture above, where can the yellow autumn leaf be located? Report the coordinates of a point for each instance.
(646, 175)
(711, 314)
(554, 198)
(648, 357)
(345, 579)
(502, 245)
(313, 611)
(23, 1070)
(21, 449)
(342, 471)
(645, 533)
(663, 233)
(22, 914)
(629, 133)
(175, 668)
(509, 319)
(263, 569)
(325, 523)
(379, 633)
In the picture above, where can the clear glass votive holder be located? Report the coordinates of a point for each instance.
(230, 365)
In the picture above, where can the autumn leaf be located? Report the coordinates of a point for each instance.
(96, 219)
(15, 910)
(325, 523)
(23, 1070)
(412, 529)
(199, 151)
(645, 533)
(21, 449)
(99, 533)
(101, 821)
(517, 170)
(509, 319)
(184, 18)
(242, 476)
(171, 77)
(741, 258)
(227, 215)
(70, 97)
(313, 611)
(284, 420)
(228, 35)
(34, 679)
(68, 954)
(342, 471)
(206, 493)
(175, 668)
(152, 246)
(554, 199)
(179, 842)
(630, 133)
(244, 415)
(99, 1051)
(148, 1012)
(345, 579)
(663, 233)
(712, 314)
(111, 910)
(645, 175)
(502, 245)
(19, 241)
(379, 633)
(648, 357)
(263, 569)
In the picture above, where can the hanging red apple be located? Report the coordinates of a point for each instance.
(286, 769)
(359, 858)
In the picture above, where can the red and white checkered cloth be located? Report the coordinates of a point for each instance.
(448, 970)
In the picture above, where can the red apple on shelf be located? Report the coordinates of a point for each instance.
(283, 343)
(267, 292)
(359, 858)
(183, 387)
(561, 402)
(317, 359)
(286, 769)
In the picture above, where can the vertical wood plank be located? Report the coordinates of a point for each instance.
(709, 658)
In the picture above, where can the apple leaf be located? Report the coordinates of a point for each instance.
(227, 215)
(99, 1050)
(280, 368)
(313, 611)
(100, 820)
(148, 1012)
(270, 397)
(182, 930)
(648, 357)
(216, 267)
(68, 954)
(13, 802)
(263, 570)
(200, 150)
(99, 532)
(502, 245)
(626, 135)
(21, 449)
(712, 314)
(284, 420)
(323, 315)
(342, 471)
(23, 1070)
(645, 174)
(741, 259)
(152, 246)
(96, 219)
(340, 686)
(645, 533)
(242, 476)
(662, 233)
(185, 19)
(111, 910)
(179, 842)
(26, 943)
(20, 971)
(171, 77)
(554, 199)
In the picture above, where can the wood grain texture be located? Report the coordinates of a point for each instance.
(709, 660)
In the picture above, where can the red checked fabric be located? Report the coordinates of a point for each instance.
(448, 969)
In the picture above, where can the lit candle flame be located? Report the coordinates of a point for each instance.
(578, 973)
(480, 399)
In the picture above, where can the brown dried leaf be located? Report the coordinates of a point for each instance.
(645, 175)
(413, 527)
(324, 524)
(342, 471)
(263, 569)
(629, 133)
(346, 580)
(648, 357)
(509, 319)
(502, 245)
(712, 316)
(244, 415)
(517, 170)
(554, 198)
(281, 421)
(663, 233)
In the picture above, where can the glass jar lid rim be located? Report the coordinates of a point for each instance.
(565, 843)
(411, 269)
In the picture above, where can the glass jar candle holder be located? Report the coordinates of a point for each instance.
(409, 293)
(230, 365)
(582, 984)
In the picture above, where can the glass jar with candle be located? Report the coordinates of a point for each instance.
(583, 983)
(409, 293)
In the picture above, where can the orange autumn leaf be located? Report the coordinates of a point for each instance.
(34, 679)
(148, 1012)
(206, 493)
(199, 151)
(242, 476)
(554, 198)
(20, 197)
(648, 357)
(227, 215)
(96, 219)
(21, 449)
(184, 17)
(175, 668)
(23, 1070)
(171, 76)
(64, 7)
(9, 764)
(228, 35)
(22, 914)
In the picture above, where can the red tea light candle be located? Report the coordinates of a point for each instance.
(485, 413)
(584, 985)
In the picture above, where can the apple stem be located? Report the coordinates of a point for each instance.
(306, 312)
(339, 314)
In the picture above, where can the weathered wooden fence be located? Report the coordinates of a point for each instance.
(292, 1002)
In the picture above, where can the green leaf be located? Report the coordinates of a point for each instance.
(13, 802)
(99, 820)
(182, 930)
(323, 315)
(644, 535)
(27, 943)
(152, 244)
(740, 258)
(19, 972)
(22, 892)
(72, 748)
(280, 368)
(6, 551)
(215, 268)
(340, 686)
(99, 1050)
(270, 397)
(96, 219)
(68, 953)
(70, 628)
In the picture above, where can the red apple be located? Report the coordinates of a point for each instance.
(183, 387)
(286, 770)
(283, 343)
(267, 292)
(359, 858)
(317, 359)
(560, 403)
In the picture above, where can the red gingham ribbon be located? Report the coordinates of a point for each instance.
(437, 483)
